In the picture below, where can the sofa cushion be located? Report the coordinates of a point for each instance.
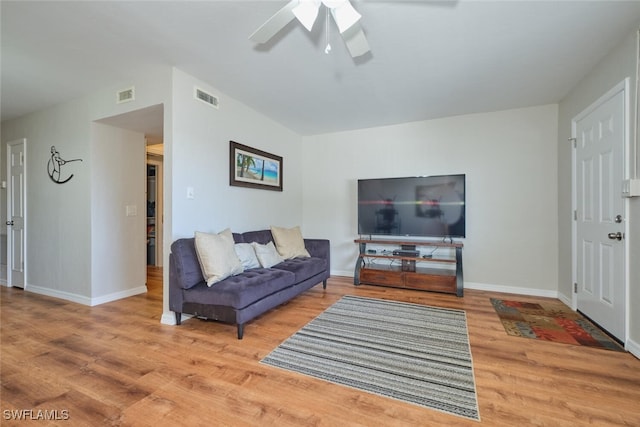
(217, 256)
(267, 254)
(243, 289)
(289, 242)
(247, 255)
(303, 268)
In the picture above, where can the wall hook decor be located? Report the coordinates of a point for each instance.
(54, 166)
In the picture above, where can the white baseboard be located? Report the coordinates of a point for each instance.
(169, 318)
(490, 287)
(342, 273)
(567, 300)
(633, 348)
(511, 289)
(81, 299)
(118, 295)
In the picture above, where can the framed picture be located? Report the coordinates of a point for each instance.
(249, 167)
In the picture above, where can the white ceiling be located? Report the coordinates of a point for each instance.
(428, 59)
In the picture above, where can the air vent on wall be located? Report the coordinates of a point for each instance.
(126, 95)
(206, 97)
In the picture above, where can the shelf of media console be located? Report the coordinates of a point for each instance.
(411, 274)
(391, 257)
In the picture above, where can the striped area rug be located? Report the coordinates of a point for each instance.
(403, 351)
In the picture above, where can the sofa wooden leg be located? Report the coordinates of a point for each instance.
(178, 318)
(324, 284)
(240, 331)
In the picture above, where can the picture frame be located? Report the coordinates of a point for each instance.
(253, 168)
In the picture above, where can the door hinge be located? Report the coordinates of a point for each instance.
(575, 215)
(574, 142)
(575, 288)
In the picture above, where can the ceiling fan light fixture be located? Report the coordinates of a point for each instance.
(307, 11)
(345, 16)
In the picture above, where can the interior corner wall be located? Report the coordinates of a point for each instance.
(118, 213)
(619, 64)
(58, 221)
(200, 161)
(59, 224)
(509, 158)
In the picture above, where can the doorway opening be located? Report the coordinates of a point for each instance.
(154, 209)
(150, 122)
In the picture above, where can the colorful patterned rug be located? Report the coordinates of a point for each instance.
(551, 321)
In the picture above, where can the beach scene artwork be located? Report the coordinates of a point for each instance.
(251, 168)
(256, 168)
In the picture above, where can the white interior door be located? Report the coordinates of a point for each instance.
(600, 246)
(16, 207)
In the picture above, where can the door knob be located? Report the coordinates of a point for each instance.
(9, 222)
(615, 236)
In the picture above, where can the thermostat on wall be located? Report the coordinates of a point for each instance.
(631, 188)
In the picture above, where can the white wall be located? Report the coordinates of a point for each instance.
(60, 227)
(58, 215)
(200, 159)
(509, 158)
(118, 237)
(197, 156)
(69, 234)
(619, 64)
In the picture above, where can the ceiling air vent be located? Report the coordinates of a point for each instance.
(206, 97)
(126, 95)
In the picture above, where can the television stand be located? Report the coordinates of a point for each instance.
(404, 267)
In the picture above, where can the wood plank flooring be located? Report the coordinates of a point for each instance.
(116, 364)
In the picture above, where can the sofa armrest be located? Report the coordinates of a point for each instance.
(319, 248)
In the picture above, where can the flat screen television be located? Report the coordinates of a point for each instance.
(422, 206)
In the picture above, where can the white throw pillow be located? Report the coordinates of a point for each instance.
(267, 254)
(218, 259)
(247, 255)
(289, 242)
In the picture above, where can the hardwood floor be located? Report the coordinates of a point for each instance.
(116, 364)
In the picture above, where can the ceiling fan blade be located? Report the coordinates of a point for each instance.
(307, 12)
(355, 40)
(274, 24)
(345, 16)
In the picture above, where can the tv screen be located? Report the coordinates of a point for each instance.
(425, 206)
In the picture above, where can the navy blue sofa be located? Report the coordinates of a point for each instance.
(238, 299)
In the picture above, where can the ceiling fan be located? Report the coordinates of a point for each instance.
(306, 11)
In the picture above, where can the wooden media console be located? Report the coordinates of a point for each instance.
(405, 267)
